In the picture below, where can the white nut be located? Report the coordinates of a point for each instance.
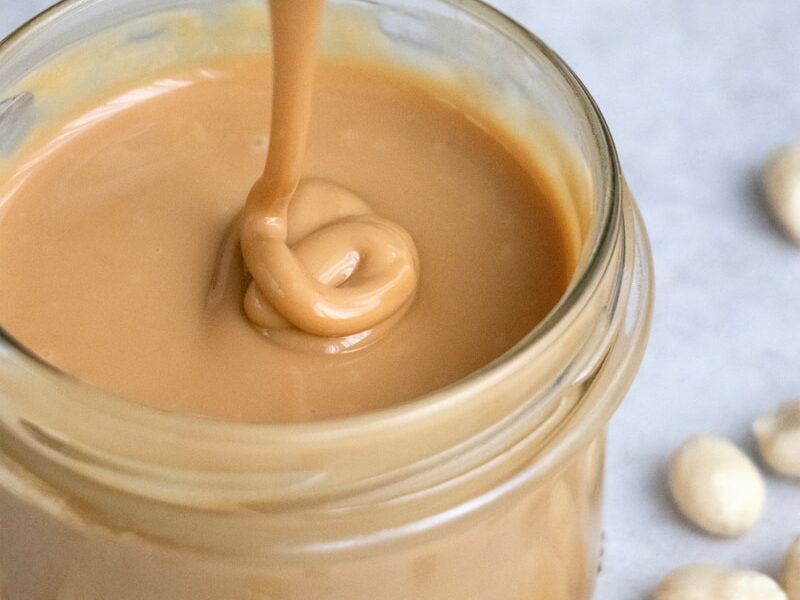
(708, 582)
(791, 571)
(716, 486)
(781, 180)
(778, 437)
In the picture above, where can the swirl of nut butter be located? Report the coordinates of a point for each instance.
(329, 267)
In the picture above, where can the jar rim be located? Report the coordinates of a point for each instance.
(602, 229)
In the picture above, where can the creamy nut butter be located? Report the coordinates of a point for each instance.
(383, 324)
(322, 263)
(111, 232)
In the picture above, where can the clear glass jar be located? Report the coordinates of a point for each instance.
(490, 489)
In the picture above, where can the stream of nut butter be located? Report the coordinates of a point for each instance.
(322, 264)
(393, 244)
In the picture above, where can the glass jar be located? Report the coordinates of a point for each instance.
(489, 489)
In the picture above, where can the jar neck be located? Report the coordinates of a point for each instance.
(315, 503)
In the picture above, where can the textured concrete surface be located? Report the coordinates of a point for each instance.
(696, 93)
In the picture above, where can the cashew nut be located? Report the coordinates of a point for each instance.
(716, 486)
(709, 582)
(791, 571)
(778, 436)
(781, 180)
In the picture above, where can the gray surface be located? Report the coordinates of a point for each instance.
(696, 94)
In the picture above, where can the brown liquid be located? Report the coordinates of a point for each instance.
(110, 237)
(331, 269)
(323, 264)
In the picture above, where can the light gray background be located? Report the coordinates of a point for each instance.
(697, 93)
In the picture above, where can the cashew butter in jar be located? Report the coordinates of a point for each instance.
(379, 367)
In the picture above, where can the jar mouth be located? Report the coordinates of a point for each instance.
(604, 223)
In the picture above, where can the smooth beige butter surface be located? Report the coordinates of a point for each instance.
(110, 233)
